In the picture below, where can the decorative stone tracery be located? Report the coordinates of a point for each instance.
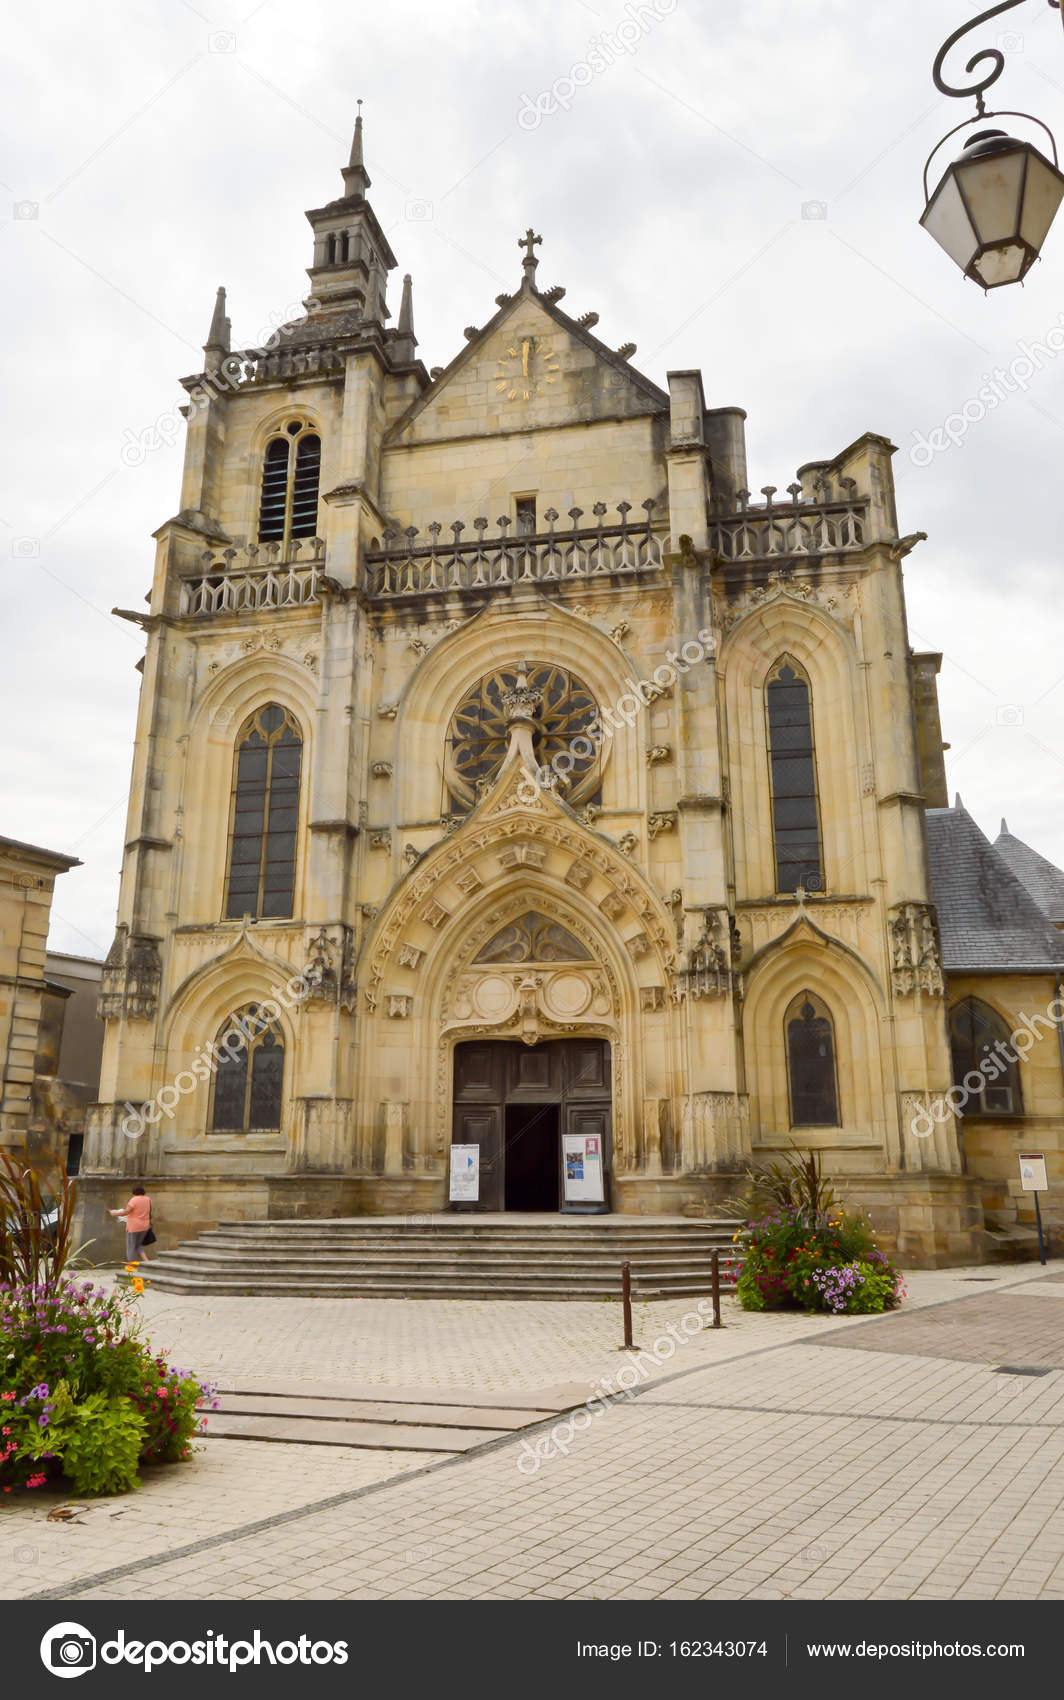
(915, 957)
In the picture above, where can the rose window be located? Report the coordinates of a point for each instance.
(479, 737)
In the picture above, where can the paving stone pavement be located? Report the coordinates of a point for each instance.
(778, 1457)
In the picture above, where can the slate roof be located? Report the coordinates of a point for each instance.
(1043, 880)
(988, 920)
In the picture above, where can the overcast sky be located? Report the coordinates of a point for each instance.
(154, 150)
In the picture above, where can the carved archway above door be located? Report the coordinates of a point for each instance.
(530, 973)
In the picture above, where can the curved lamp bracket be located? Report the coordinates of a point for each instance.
(993, 54)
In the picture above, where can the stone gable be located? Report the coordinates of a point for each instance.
(531, 368)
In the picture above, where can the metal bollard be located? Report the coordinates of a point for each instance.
(626, 1304)
(715, 1263)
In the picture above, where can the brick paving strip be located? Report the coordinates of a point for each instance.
(1004, 1327)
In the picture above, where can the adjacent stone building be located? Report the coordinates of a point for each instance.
(27, 879)
(506, 773)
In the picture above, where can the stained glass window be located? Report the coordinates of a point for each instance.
(249, 1079)
(265, 816)
(795, 812)
(478, 736)
(982, 1056)
(810, 1035)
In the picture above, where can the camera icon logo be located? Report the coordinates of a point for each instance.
(26, 210)
(25, 547)
(816, 210)
(1009, 714)
(1010, 42)
(222, 41)
(68, 1649)
(418, 211)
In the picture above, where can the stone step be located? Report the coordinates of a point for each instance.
(455, 1243)
(439, 1258)
(244, 1286)
(563, 1226)
(391, 1412)
(451, 1257)
(376, 1437)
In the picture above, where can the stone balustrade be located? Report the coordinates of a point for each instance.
(268, 576)
(410, 564)
(781, 529)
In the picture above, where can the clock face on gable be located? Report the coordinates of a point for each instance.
(527, 364)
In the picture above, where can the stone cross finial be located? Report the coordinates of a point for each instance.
(529, 242)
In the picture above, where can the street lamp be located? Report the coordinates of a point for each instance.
(993, 208)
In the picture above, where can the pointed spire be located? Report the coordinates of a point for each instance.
(356, 177)
(957, 804)
(406, 308)
(405, 340)
(1004, 827)
(216, 346)
(218, 335)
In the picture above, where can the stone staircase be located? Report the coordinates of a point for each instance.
(452, 1257)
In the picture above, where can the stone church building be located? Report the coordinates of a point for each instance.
(508, 778)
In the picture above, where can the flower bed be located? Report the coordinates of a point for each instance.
(831, 1265)
(82, 1395)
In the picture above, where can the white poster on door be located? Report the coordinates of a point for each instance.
(465, 1174)
(582, 1156)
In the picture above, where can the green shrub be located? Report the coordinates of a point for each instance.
(801, 1249)
(100, 1446)
(82, 1394)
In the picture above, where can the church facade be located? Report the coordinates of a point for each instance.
(507, 776)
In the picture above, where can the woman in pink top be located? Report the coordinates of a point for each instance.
(137, 1217)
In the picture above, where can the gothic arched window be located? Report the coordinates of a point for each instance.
(985, 1068)
(264, 816)
(811, 1074)
(478, 736)
(249, 1078)
(291, 470)
(795, 811)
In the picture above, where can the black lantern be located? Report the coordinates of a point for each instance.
(993, 208)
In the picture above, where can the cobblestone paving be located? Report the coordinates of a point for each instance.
(779, 1457)
(492, 1345)
(712, 1485)
(227, 1485)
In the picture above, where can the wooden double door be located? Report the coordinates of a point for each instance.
(516, 1101)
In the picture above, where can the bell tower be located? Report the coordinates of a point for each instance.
(352, 257)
